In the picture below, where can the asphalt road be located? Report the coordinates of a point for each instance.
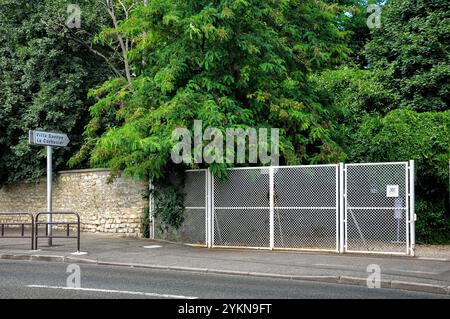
(27, 279)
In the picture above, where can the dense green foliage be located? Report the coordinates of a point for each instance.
(413, 49)
(205, 61)
(145, 223)
(405, 134)
(45, 76)
(432, 226)
(168, 200)
(351, 94)
(336, 89)
(397, 107)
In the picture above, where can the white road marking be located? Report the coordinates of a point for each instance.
(417, 272)
(152, 246)
(402, 270)
(137, 293)
(332, 265)
(79, 253)
(436, 259)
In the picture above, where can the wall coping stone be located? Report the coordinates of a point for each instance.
(87, 170)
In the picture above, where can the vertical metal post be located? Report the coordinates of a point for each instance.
(78, 233)
(405, 204)
(341, 207)
(32, 233)
(208, 208)
(49, 193)
(212, 211)
(36, 234)
(151, 210)
(412, 212)
(271, 206)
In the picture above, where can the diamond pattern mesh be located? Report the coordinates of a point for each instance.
(376, 222)
(242, 209)
(366, 184)
(243, 188)
(193, 229)
(194, 189)
(306, 208)
(378, 231)
(241, 227)
(313, 186)
(306, 228)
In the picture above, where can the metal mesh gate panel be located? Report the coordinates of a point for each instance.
(306, 207)
(241, 212)
(195, 189)
(353, 208)
(193, 229)
(376, 210)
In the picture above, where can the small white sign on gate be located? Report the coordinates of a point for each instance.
(392, 191)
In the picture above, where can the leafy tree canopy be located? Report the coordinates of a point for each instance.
(413, 49)
(228, 63)
(404, 135)
(45, 76)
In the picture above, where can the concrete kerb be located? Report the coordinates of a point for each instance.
(436, 289)
(362, 281)
(347, 280)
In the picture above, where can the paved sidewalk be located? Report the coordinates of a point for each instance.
(429, 272)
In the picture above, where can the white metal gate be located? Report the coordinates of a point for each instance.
(306, 207)
(290, 207)
(367, 208)
(194, 227)
(240, 209)
(379, 208)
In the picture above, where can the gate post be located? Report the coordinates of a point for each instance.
(341, 207)
(151, 210)
(209, 209)
(412, 212)
(271, 206)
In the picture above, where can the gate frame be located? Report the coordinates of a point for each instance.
(410, 216)
(271, 208)
(206, 205)
(412, 208)
(213, 210)
(336, 209)
(341, 208)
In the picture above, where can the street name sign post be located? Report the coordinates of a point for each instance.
(49, 140)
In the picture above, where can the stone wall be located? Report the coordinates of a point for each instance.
(115, 207)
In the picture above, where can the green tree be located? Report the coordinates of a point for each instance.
(350, 94)
(45, 74)
(424, 137)
(408, 68)
(412, 47)
(228, 63)
(353, 18)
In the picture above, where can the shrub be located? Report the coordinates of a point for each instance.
(432, 226)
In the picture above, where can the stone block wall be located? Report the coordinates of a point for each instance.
(115, 207)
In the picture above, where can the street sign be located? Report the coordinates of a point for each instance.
(48, 139)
